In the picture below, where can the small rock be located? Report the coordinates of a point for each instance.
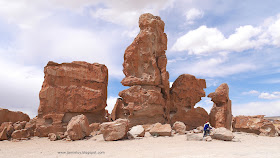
(137, 131)
(194, 137)
(52, 137)
(207, 139)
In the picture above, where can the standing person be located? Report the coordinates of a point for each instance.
(207, 128)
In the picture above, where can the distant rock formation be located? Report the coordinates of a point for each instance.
(71, 89)
(12, 116)
(147, 100)
(221, 114)
(254, 124)
(185, 92)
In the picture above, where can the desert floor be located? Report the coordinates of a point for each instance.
(247, 145)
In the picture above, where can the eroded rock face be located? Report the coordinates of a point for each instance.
(12, 116)
(147, 100)
(221, 114)
(254, 124)
(114, 130)
(185, 92)
(78, 128)
(71, 89)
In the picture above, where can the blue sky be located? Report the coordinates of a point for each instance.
(231, 41)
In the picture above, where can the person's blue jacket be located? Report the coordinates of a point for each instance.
(207, 127)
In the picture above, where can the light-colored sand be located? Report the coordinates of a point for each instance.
(251, 146)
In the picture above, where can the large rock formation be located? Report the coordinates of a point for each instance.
(254, 124)
(147, 100)
(71, 89)
(185, 92)
(221, 115)
(12, 116)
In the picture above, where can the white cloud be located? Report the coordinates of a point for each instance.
(273, 95)
(111, 101)
(193, 14)
(257, 108)
(208, 40)
(253, 92)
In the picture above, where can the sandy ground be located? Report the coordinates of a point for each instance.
(249, 146)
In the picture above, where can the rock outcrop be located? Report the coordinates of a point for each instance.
(114, 130)
(9, 128)
(78, 128)
(221, 114)
(185, 92)
(254, 124)
(12, 116)
(71, 89)
(147, 100)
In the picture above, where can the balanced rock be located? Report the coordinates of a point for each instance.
(12, 116)
(222, 133)
(71, 89)
(136, 131)
(114, 130)
(254, 124)
(185, 92)
(161, 130)
(147, 100)
(221, 115)
(78, 127)
(179, 127)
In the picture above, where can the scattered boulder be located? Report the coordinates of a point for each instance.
(147, 100)
(52, 137)
(222, 133)
(207, 139)
(9, 126)
(94, 127)
(185, 92)
(114, 130)
(20, 134)
(3, 134)
(78, 128)
(136, 132)
(254, 124)
(148, 127)
(71, 89)
(161, 130)
(194, 137)
(179, 127)
(12, 116)
(221, 114)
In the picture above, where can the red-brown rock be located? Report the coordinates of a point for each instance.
(254, 124)
(147, 100)
(185, 92)
(114, 130)
(12, 116)
(161, 130)
(78, 128)
(71, 89)
(3, 134)
(9, 126)
(179, 127)
(221, 115)
(20, 134)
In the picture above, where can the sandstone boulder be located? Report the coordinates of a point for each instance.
(3, 134)
(136, 131)
(52, 137)
(222, 133)
(12, 116)
(147, 100)
(221, 115)
(194, 137)
(179, 127)
(78, 128)
(9, 127)
(18, 126)
(94, 127)
(161, 130)
(254, 124)
(20, 134)
(114, 130)
(71, 89)
(185, 92)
